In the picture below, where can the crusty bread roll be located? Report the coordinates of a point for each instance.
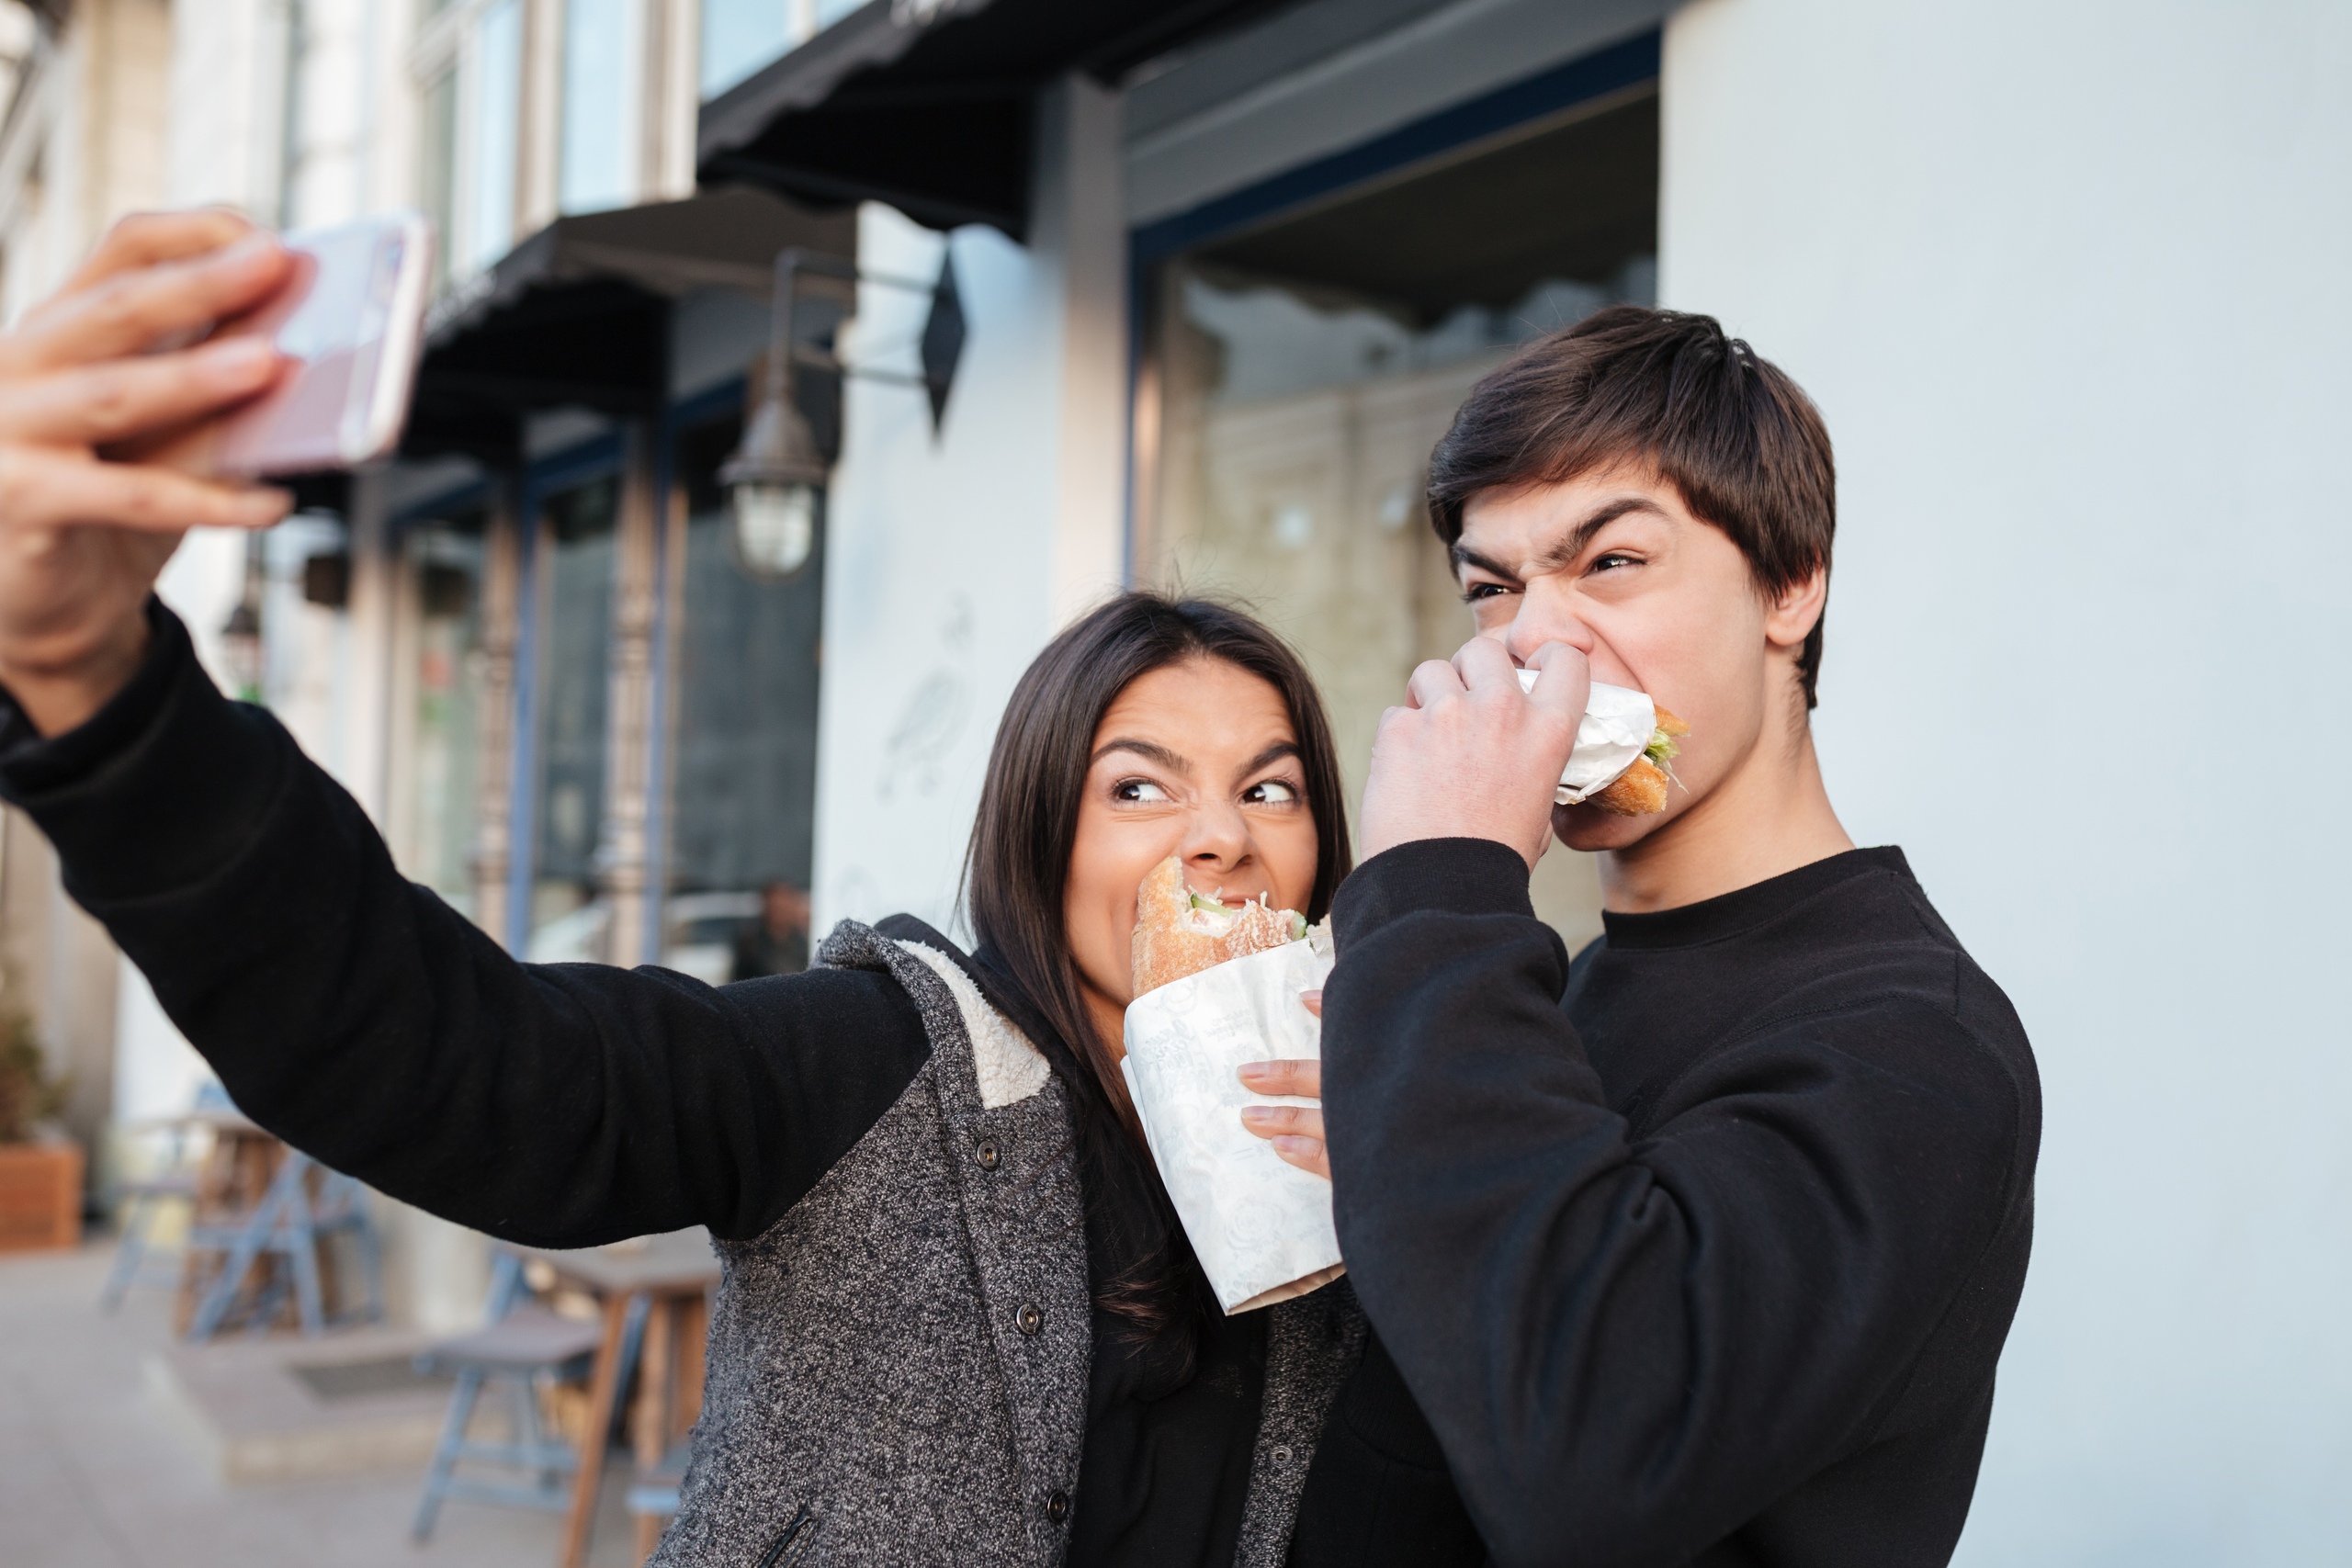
(1641, 789)
(1637, 792)
(1174, 937)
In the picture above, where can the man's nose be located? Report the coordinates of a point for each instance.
(1545, 615)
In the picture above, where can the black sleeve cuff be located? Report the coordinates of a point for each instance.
(157, 789)
(1457, 876)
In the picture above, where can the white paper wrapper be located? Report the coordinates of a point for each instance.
(1260, 1228)
(1614, 732)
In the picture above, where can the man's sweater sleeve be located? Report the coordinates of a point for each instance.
(363, 1019)
(1629, 1347)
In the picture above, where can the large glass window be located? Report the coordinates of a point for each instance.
(494, 134)
(1303, 369)
(743, 759)
(470, 63)
(603, 85)
(573, 658)
(741, 36)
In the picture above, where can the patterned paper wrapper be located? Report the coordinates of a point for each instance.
(1613, 733)
(1260, 1228)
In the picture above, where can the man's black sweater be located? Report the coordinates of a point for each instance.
(1701, 1250)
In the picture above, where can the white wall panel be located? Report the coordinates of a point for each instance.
(2068, 282)
(953, 556)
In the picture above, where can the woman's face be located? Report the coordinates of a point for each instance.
(1197, 760)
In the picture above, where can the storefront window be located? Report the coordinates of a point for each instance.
(440, 765)
(742, 764)
(1302, 371)
(1306, 369)
(567, 920)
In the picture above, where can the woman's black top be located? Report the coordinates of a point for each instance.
(361, 1018)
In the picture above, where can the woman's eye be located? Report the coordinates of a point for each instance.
(1270, 791)
(1141, 791)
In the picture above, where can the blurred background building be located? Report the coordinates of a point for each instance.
(1182, 293)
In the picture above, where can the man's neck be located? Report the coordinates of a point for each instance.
(1770, 816)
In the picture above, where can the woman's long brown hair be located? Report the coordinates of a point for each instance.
(1017, 870)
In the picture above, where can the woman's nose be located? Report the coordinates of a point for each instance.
(1217, 837)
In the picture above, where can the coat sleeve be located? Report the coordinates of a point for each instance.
(1628, 1347)
(361, 1018)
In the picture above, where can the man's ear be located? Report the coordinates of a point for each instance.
(1790, 614)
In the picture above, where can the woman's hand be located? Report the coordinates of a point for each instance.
(99, 420)
(1296, 1130)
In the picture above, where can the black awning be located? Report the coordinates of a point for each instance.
(928, 106)
(577, 314)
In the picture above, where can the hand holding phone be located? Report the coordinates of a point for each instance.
(352, 316)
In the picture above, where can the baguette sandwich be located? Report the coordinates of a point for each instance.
(1641, 788)
(1179, 933)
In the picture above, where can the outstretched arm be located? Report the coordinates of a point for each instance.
(365, 1021)
(347, 1009)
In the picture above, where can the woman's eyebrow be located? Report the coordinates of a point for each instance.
(1273, 754)
(1151, 749)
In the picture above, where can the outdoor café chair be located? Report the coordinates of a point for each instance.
(138, 1260)
(521, 1345)
(288, 1223)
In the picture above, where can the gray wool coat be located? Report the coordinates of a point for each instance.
(898, 1366)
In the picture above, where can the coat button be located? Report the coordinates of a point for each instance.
(987, 1153)
(1029, 1320)
(1057, 1506)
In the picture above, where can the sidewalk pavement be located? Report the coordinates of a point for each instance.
(96, 1472)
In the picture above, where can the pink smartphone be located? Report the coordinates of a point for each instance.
(353, 315)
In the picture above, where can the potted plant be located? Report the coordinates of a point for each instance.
(40, 1168)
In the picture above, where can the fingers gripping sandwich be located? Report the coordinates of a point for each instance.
(1179, 933)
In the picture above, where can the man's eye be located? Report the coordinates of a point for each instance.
(1270, 791)
(1613, 561)
(1142, 791)
(1477, 590)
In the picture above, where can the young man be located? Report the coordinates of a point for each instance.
(1723, 1274)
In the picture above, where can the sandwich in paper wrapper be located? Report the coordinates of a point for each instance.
(1624, 751)
(1260, 1228)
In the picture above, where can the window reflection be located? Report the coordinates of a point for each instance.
(742, 786)
(444, 560)
(566, 921)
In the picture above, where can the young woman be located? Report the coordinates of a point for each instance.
(958, 1321)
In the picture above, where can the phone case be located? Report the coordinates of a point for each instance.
(353, 315)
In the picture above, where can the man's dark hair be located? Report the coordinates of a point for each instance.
(1667, 391)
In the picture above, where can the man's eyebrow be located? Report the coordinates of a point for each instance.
(1151, 749)
(1568, 549)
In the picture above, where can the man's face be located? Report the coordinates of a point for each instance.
(1615, 565)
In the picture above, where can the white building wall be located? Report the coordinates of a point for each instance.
(2069, 284)
(953, 557)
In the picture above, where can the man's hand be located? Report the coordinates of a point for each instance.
(1470, 756)
(96, 406)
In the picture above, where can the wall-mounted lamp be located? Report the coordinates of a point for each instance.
(775, 479)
